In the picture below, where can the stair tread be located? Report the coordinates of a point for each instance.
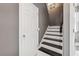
(53, 26)
(56, 33)
(52, 53)
(54, 42)
(52, 45)
(53, 29)
(51, 48)
(52, 39)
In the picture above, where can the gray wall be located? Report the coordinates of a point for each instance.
(66, 29)
(9, 26)
(56, 15)
(43, 19)
(9, 34)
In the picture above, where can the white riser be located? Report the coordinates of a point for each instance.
(76, 53)
(53, 26)
(51, 48)
(76, 43)
(53, 42)
(56, 33)
(53, 29)
(54, 37)
(40, 53)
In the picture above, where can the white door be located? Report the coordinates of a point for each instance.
(28, 29)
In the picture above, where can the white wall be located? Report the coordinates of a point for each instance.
(66, 29)
(43, 18)
(72, 29)
(9, 26)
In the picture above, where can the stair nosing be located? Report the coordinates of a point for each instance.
(54, 35)
(52, 45)
(51, 48)
(54, 42)
(57, 54)
(52, 39)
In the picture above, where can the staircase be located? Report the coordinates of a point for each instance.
(52, 42)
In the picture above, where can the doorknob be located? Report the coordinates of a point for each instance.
(24, 35)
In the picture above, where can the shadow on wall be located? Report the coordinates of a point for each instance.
(43, 18)
(55, 11)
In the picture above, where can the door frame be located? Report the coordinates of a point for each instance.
(66, 29)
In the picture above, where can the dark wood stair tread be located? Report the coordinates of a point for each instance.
(52, 39)
(52, 45)
(47, 51)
